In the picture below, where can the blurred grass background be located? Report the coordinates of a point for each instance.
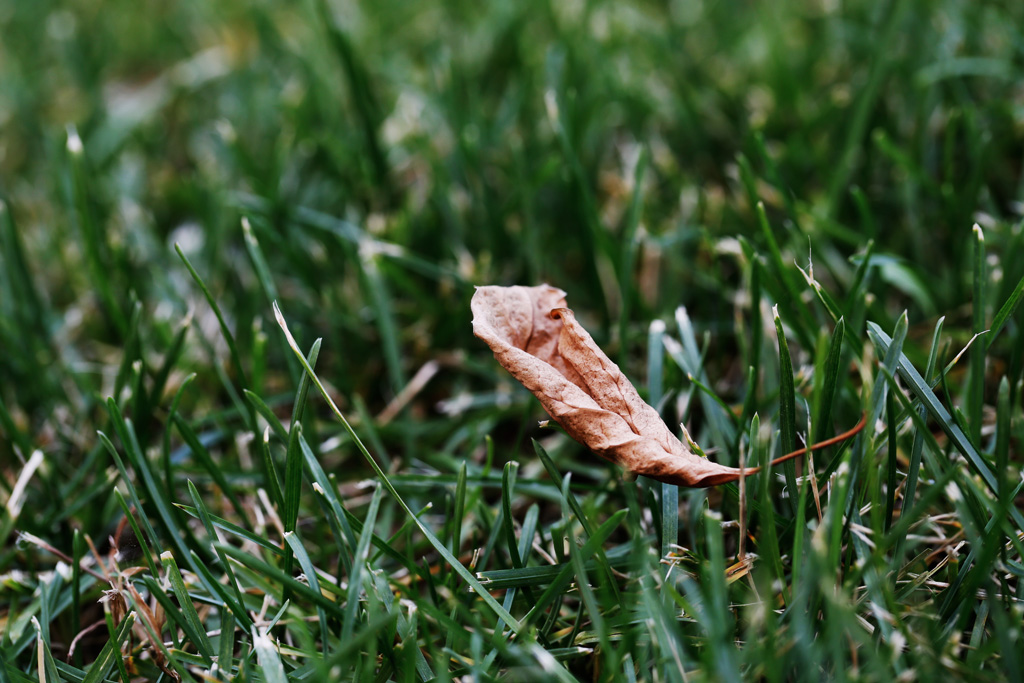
(390, 156)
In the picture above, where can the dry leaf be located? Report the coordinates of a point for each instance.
(537, 339)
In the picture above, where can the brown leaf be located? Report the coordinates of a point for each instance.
(537, 339)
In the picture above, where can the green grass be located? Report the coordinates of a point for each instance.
(776, 217)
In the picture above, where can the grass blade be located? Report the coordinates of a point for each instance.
(237, 603)
(111, 652)
(976, 381)
(915, 453)
(259, 263)
(189, 624)
(766, 513)
(236, 357)
(203, 457)
(269, 658)
(1006, 311)
(916, 384)
(500, 611)
(157, 497)
(557, 587)
(891, 471)
(784, 277)
(231, 528)
(787, 408)
(830, 387)
(299, 551)
(669, 492)
(580, 571)
(627, 253)
(96, 246)
(355, 583)
(270, 469)
(267, 414)
(688, 357)
(1002, 446)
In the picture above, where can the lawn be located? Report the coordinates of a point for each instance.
(247, 432)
